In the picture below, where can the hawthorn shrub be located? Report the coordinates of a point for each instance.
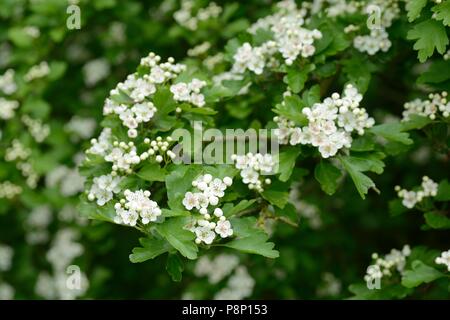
(285, 150)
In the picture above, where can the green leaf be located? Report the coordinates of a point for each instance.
(91, 210)
(296, 78)
(429, 35)
(328, 177)
(287, 162)
(442, 12)
(152, 172)
(356, 166)
(390, 291)
(396, 207)
(122, 98)
(434, 73)
(292, 109)
(443, 191)
(414, 8)
(178, 182)
(166, 213)
(151, 248)
(229, 210)
(437, 221)
(275, 197)
(392, 132)
(415, 122)
(420, 273)
(183, 240)
(175, 267)
(251, 239)
(163, 101)
(288, 214)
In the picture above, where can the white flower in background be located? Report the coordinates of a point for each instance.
(410, 198)
(216, 269)
(7, 84)
(38, 71)
(38, 130)
(7, 108)
(444, 259)
(330, 286)
(436, 102)
(253, 167)
(240, 286)
(104, 188)
(306, 210)
(137, 204)
(385, 266)
(199, 49)
(95, 70)
(187, 18)
(9, 190)
(376, 41)
(6, 255)
(37, 224)
(63, 251)
(330, 123)
(6, 291)
(81, 128)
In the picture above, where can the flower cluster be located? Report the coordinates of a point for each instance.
(6, 255)
(377, 40)
(96, 70)
(80, 128)
(330, 123)
(136, 204)
(444, 259)
(7, 108)
(104, 188)
(209, 191)
(252, 166)
(216, 269)
(428, 108)
(9, 190)
(37, 225)
(239, 286)
(7, 84)
(20, 154)
(384, 266)
(158, 148)
(330, 286)
(429, 188)
(189, 92)
(63, 251)
(38, 130)
(38, 71)
(290, 39)
(67, 179)
(186, 18)
(140, 89)
(306, 210)
(123, 156)
(199, 49)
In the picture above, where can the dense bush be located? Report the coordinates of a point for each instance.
(350, 95)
